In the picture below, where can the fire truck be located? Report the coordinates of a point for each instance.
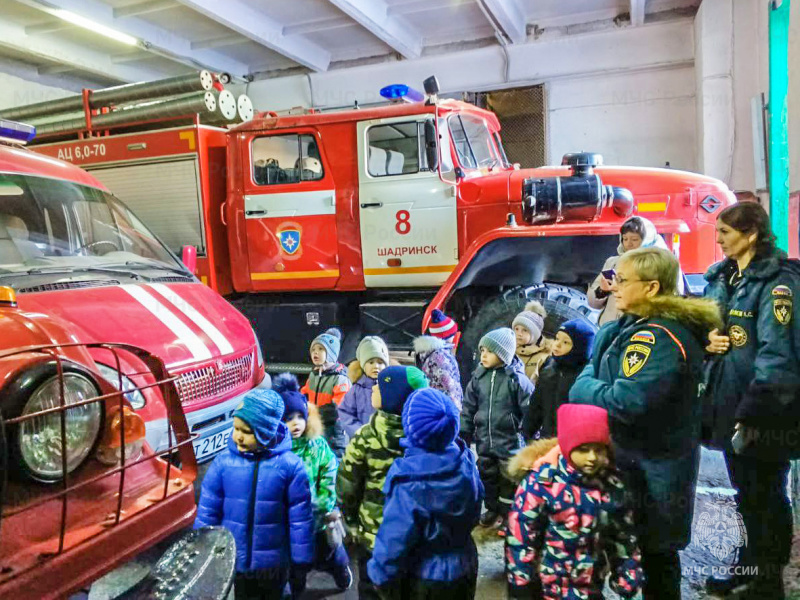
(369, 218)
(74, 256)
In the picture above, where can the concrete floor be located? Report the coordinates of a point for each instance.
(713, 494)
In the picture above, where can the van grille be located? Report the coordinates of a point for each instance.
(211, 382)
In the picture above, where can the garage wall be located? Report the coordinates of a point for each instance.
(623, 91)
(15, 91)
(794, 97)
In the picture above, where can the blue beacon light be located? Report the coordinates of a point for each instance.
(17, 132)
(399, 91)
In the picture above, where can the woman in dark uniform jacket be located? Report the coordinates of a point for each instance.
(646, 372)
(753, 387)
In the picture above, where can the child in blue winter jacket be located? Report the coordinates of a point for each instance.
(258, 490)
(424, 547)
(372, 357)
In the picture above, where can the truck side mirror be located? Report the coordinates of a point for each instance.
(431, 145)
(189, 258)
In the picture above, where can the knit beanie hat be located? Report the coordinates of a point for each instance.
(262, 410)
(441, 325)
(430, 420)
(396, 384)
(502, 342)
(582, 335)
(331, 340)
(532, 319)
(581, 424)
(288, 388)
(372, 347)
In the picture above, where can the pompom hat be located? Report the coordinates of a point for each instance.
(331, 340)
(442, 326)
(532, 319)
(430, 420)
(288, 387)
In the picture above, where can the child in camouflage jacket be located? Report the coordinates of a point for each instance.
(570, 523)
(321, 465)
(367, 460)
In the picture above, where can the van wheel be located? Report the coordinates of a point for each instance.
(561, 303)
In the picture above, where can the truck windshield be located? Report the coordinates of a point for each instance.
(51, 223)
(474, 143)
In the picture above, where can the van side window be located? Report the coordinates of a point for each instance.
(394, 149)
(282, 159)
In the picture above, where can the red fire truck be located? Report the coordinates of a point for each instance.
(73, 252)
(370, 218)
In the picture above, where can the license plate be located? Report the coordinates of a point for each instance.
(210, 445)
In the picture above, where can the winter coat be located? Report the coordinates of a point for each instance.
(321, 466)
(569, 530)
(494, 404)
(356, 408)
(757, 382)
(533, 357)
(263, 499)
(362, 473)
(646, 371)
(326, 390)
(552, 390)
(433, 501)
(434, 358)
(604, 301)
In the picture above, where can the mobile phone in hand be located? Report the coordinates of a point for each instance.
(609, 274)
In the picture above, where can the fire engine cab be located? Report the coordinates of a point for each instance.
(71, 251)
(370, 218)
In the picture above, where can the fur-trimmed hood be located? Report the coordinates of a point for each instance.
(698, 314)
(313, 424)
(425, 344)
(354, 371)
(523, 461)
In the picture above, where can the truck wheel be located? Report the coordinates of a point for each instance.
(561, 303)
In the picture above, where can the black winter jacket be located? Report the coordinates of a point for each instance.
(494, 404)
(757, 382)
(552, 390)
(646, 372)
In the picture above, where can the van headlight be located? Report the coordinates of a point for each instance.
(40, 443)
(258, 350)
(132, 393)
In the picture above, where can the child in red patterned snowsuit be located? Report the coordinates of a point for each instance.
(569, 523)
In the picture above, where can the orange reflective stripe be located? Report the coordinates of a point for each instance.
(671, 335)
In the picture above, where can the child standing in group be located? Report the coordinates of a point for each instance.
(434, 357)
(494, 404)
(572, 349)
(570, 522)
(533, 349)
(372, 357)
(321, 465)
(258, 490)
(327, 385)
(424, 547)
(366, 462)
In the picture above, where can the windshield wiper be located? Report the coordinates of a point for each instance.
(70, 270)
(133, 264)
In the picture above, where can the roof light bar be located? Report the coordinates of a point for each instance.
(19, 133)
(399, 91)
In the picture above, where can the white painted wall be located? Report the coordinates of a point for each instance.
(625, 92)
(15, 91)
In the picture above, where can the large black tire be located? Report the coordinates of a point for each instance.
(561, 303)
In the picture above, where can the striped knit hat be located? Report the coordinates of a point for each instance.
(442, 326)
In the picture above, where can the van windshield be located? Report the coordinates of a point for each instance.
(50, 223)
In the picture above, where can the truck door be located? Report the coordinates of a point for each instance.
(291, 214)
(407, 213)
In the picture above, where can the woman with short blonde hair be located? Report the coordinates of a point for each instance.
(646, 371)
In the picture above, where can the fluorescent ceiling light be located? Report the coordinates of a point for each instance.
(80, 21)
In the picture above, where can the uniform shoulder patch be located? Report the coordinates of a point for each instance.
(782, 290)
(782, 308)
(645, 337)
(634, 358)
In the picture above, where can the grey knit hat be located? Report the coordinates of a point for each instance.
(532, 319)
(372, 347)
(502, 342)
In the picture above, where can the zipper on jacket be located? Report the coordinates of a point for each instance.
(491, 399)
(251, 516)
